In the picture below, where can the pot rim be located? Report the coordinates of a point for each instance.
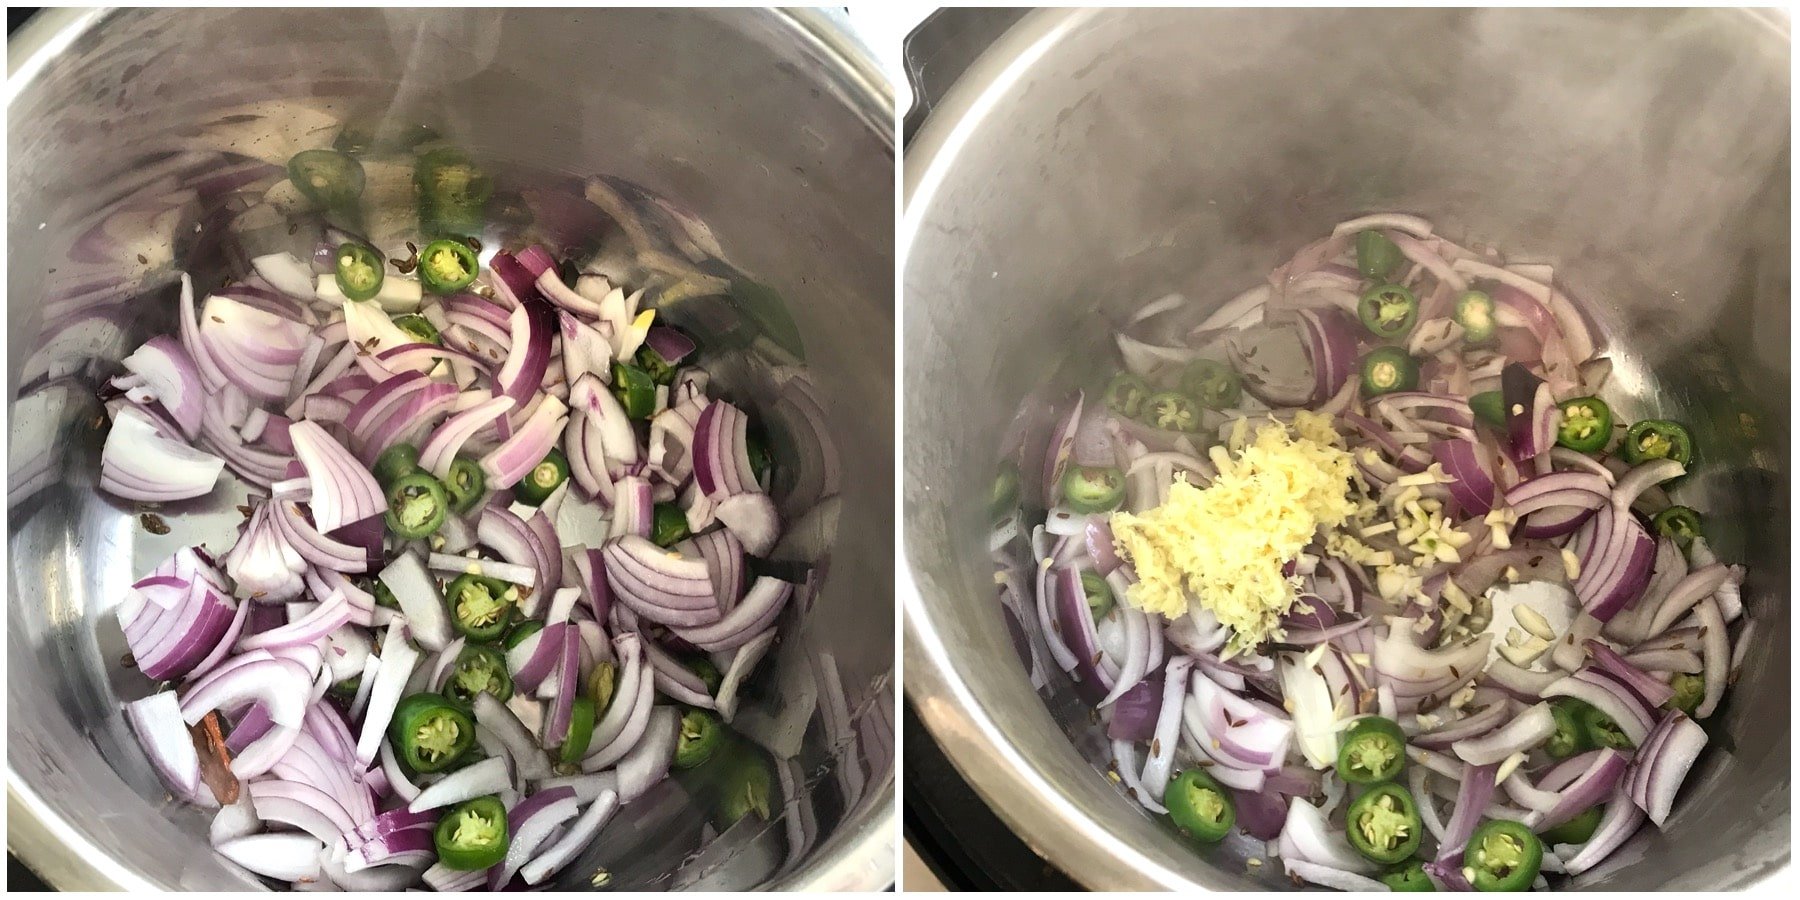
(860, 857)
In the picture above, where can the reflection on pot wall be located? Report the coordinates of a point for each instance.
(159, 145)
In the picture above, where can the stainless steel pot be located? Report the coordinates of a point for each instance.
(734, 145)
(1091, 161)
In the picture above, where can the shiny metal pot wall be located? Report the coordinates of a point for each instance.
(746, 162)
(1092, 161)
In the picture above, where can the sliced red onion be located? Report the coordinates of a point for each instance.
(441, 448)
(283, 856)
(528, 758)
(1336, 879)
(302, 806)
(271, 683)
(1060, 445)
(137, 463)
(658, 584)
(1715, 652)
(398, 659)
(528, 825)
(535, 658)
(1642, 478)
(1471, 802)
(649, 761)
(172, 378)
(315, 548)
(344, 492)
(331, 613)
(752, 519)
(1662, 764)
(161, 731)
(1308, 837)
(721, 455)
(1531, 411)
(626, 718)
(633, 509)
(511, 573)
(1699, 584)
(414, 589)
(1474, 486)
(1155, 778)
(1619, 820)
(526, 447)
(669, 343)
(724, 556)
(1238, 733)
(1331, 344)
(490, 776)
(577, 838)
(1476, 723)
(1652, 692)
(758, 611)
(530, 327)
(1527, 730)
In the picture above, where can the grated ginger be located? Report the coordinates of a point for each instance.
(1225, 544)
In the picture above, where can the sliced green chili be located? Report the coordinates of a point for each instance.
(1408, 877)
(419, 328)
(574, 745)
(1215, 384)
(1376, 255)
(473, 835)
(1475, 313)
(543, 479)
(453, 193)
(701, 736)
(466, 485)
(1199, 806)
(1386, 370)
(326, 177)
(479, 670)
(1657, 439)
(1126, 394)
(395, 463)
(1678, 522)
(417, 505)
(360, 271)
(756, 449)
(1586, 424)
(1578, 830)
(1005, 497)
(383, 595)
(668, 525)
(447, 266)
(1384, 824)
(1093, 489)
(660, 370)
(1690, 689)
(1504, 855)
(1373, 750)
(523, 630)
(635, 389)
(1172, 411)
(1099, 594)
(709, 673)
(1489, 407)
(1570, 737)
(602, 684)
(1601, 730)
(1388, 310)
(430, 733)
(480, 608)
